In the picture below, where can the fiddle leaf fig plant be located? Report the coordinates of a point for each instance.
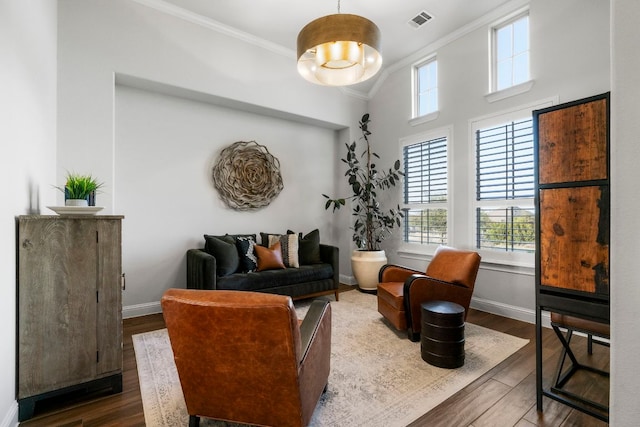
(373, 224)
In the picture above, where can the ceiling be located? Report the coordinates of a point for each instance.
(280, 21)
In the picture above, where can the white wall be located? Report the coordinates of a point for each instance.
(27, 152)
(227, 90)
(167, 146)
(567, 61)
(625, 292)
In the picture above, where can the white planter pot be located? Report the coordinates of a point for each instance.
(76, 202)
(366, 266)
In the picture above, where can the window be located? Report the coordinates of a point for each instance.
(511, 53)
(504, 165)
(426, 188)
(505, 215)
(426, 88)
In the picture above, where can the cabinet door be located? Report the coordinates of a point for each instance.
(109, 325)
(572, 143)
(56, 304)
(574, 239)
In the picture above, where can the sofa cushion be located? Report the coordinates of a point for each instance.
(269, 258)
(223, 248)
(308, 247)
(257, 281)
(245, 245)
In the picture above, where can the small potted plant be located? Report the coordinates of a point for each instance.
(80, 190)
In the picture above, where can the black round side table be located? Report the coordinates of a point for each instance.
(442, 334)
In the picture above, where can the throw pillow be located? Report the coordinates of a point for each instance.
(269, 258)
(265, 238)
(289, 247)
(248, 260)
(223, 248)
(309, 247)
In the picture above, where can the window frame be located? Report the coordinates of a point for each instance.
(415, 89)
(519, 259)
(428, 248)
(504, 22)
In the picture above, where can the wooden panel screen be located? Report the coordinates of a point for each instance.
(573, 143)
(574, 238)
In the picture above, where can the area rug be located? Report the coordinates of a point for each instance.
(378, 377)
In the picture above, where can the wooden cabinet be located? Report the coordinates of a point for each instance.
(573, 232)
(572, 196)
(69, 306)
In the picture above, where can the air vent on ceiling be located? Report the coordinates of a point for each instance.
(420, 19)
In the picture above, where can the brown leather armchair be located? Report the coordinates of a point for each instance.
(450, 276)
(244, 356)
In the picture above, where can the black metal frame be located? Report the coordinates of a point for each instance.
(562, 377)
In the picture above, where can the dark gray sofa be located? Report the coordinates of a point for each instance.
(303, 282)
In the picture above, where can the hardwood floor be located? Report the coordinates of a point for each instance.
(504, 396)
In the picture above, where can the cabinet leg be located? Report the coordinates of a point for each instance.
(116, 383)
(26, 407)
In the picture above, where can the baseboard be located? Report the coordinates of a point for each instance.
(348, 280)
(141, 310)
(11, 417)
(510, 311)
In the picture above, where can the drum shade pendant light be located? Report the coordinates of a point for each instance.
(339, 50)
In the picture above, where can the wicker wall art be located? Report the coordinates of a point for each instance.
(247, 176)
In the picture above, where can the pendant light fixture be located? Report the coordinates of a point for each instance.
(339, 50)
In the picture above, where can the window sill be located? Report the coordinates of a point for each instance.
(424, 119)
(522, 267)
(509, 92)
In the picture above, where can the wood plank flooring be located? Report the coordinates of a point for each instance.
(504, 396)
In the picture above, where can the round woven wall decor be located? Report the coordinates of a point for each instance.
(247, 176)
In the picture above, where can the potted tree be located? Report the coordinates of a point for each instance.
(372, 223)
(80, 190)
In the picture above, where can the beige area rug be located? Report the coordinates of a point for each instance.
(378, 377)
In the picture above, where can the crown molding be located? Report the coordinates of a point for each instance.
(481, 22)
(487, 19)
(212, 24)
(195, 18)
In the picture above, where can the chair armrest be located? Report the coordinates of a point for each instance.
(311, 322)
(419, 288)
(395, 273)
(201, 270)
(314, 367)
(331, 255)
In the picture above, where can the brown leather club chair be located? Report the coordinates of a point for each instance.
(450, 276)
(244, 356)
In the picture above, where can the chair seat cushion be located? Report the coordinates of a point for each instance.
(392, 293)
(583, 325)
